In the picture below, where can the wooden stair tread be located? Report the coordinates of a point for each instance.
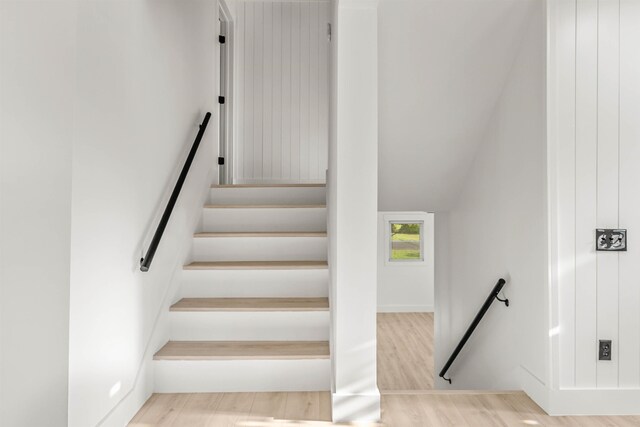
(251, 304)
(261, 206)
(262, 234)
(256, 265)
(243, 350)
(268, 186)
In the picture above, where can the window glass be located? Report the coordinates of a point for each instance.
(406, 241)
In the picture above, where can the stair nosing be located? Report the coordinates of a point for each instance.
(257, 234)
(262, 265)
(176, 356)
(264, 308)
(318, 185)
(265, 206)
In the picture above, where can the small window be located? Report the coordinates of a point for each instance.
(406, 241)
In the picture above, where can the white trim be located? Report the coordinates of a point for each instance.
(226, 17)
(577, 401)
(356, 407)
(405, 309)
(534, 388)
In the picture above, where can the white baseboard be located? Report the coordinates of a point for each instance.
(131, 403)
(405, 309)
(581, 401)
(535, 388)
(347, 407)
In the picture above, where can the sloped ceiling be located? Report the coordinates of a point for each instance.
(442, 67)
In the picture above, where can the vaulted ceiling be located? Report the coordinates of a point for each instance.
(442, 67)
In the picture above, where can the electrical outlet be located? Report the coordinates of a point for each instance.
(604, 351)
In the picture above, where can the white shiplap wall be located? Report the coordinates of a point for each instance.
(281, 91)
(594, 124)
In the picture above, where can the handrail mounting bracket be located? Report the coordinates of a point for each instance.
(505, 301)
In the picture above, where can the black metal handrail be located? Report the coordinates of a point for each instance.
(483, 310)
(145, 262)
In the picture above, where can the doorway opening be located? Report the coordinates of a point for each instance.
(405, 321)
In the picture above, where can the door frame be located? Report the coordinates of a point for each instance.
(225, 89)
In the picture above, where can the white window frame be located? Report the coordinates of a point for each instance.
(406, 218)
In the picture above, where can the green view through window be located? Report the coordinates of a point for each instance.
(406, 241)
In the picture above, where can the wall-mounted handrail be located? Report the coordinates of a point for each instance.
(145, 262)
(483, 310)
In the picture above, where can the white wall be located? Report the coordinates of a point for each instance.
(352, 210)
(281, 102)
(146, 73)
(37, 48)
(497, 228)
(442, 66)
(100, 103)
(594, 103)
(406, 286)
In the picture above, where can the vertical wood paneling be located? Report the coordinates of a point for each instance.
(287, 31)
(629, 278)
(608, 172)
(239, 140)
(276, 104)
(606, 176)
(245, 119)
(586, 186)
(296, 77)
(283, 122)
(314, 96)
(323, 102)
(267, 88)
(565, 133)
(305, 45)
(258, 96)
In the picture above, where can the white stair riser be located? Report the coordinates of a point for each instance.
(259, 249)
(254, 283)
(241, 375)
(260, 219)
(249, 326)
(277, 195)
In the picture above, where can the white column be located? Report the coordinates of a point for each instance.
(353, 194)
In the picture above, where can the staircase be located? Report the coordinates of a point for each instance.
(253, 312)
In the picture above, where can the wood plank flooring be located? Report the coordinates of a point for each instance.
(433, 409)
(405, 373)
(405, 351)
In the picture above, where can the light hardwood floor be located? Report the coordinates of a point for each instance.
(405, 351)
(428, 408)
(405, 375)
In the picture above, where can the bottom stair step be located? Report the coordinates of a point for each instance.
(237, 366)
(243, 350)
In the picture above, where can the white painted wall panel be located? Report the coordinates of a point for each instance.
(586, 104)
(282, 116)
(607, 189)
(629, 273)
(566, 92)
(596, 91)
